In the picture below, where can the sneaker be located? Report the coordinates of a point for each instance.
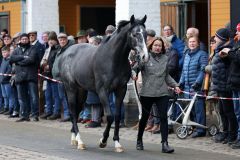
(35, 119)
(236, 145)
(13, 115)
(45, 115)
(54, 117)
(93, 124)
(23, 119)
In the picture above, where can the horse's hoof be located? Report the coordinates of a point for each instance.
(119, 149)
(74, 143)
(81, 146)
(102, 145)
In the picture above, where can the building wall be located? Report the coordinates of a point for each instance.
(42, 15)
(219, 14)
(69, 12)
(139, 8)
(14, 9)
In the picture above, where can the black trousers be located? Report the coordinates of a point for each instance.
(162, 106)
(228, 116)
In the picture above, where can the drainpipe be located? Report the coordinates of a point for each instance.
(209, 25)
(23, 16)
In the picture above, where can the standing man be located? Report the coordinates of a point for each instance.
(40, 50)
(64, 44)
(234, 79)
(26, 78)
(34, 42)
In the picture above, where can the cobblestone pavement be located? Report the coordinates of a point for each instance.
(14, 153)
(203, 143)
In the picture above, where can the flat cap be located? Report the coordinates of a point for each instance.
(62, 35)
(32, 32)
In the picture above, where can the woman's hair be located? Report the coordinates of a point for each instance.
(170, 26)
(196, 37)
(166, 42)
(155, 39)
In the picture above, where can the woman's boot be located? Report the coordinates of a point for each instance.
(166, 148)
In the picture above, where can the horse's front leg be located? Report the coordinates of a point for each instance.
(118, 97)
(104, 98)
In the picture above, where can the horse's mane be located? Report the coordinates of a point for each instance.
(123, 23)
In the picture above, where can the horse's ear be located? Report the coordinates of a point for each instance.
(132, 19)
(143, 20)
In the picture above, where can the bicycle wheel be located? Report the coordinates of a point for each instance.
(213, 130)
(182, 132)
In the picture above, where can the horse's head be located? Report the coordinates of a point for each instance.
(137, 37)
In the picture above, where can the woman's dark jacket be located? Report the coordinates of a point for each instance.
(172, 65)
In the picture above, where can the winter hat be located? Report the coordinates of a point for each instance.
(238, 27)
(24, 35)
(52, 36)
(223, 34)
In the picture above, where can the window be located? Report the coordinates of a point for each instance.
(4, 20)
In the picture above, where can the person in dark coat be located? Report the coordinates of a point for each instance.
(220, 75)
(234, 79)
(26, 78)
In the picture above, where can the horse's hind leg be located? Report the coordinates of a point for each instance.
(74, 109)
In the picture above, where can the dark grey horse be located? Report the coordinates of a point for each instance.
(103, 69)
